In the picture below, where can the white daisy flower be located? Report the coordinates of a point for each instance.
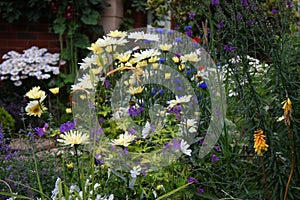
(140, 35)
(191, 125)
(124, 139)
(184, 148)
(191, 57)
(178, 100)
(148, 53)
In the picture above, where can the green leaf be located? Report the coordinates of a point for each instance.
(65, 54)
(59, 28)
(90, 17)
(81, 40)
(95, 2)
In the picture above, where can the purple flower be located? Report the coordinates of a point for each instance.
(217, 148)
(239, 16)
(177, 55)
(289, 4)
(229, 48)
(132, 131)
(274, 11)
(106, 84)
(66, 127)
(250, 22)
(189, 33)
(133, 111)
(126, 150)
(29, 134)
(201, 141)
(192, 180)
(220, 25)
(192, 15)
(215, 2)
(41, 131)
(214, 158)
(176, 144)
(200, 190)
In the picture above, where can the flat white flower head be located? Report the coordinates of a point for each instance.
(74, 137)
(141, 35)
(178, 100)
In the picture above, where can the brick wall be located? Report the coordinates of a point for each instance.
(22, 36)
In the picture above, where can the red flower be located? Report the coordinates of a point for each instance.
(197, 39)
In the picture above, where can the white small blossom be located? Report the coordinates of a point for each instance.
(146, 130)
(135, 171)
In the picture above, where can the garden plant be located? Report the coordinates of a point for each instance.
(206, 110)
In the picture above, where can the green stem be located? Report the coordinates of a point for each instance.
(37, 175)
(77, 163)
(293, 163)
(265, 178)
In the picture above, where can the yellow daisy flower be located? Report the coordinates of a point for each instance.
(95, 48)
(35, 93)
(117, 33)
(165, 47)
(175, 59)
(35, 108)
(135, 90)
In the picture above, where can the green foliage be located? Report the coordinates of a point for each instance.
(18, 10)
(257, 49)
(7, 123)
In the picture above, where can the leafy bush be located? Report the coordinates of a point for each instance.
(7, 123)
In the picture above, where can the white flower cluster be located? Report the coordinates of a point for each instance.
(76, 194)
(34, 62)
(257, 69)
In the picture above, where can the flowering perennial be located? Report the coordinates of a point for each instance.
(34, 62)
(259, 142)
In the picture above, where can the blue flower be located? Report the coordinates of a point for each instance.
(170, 32)
(159, 30)
(202, 85)
(162, 60)
(186, 28)
(178, 39)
